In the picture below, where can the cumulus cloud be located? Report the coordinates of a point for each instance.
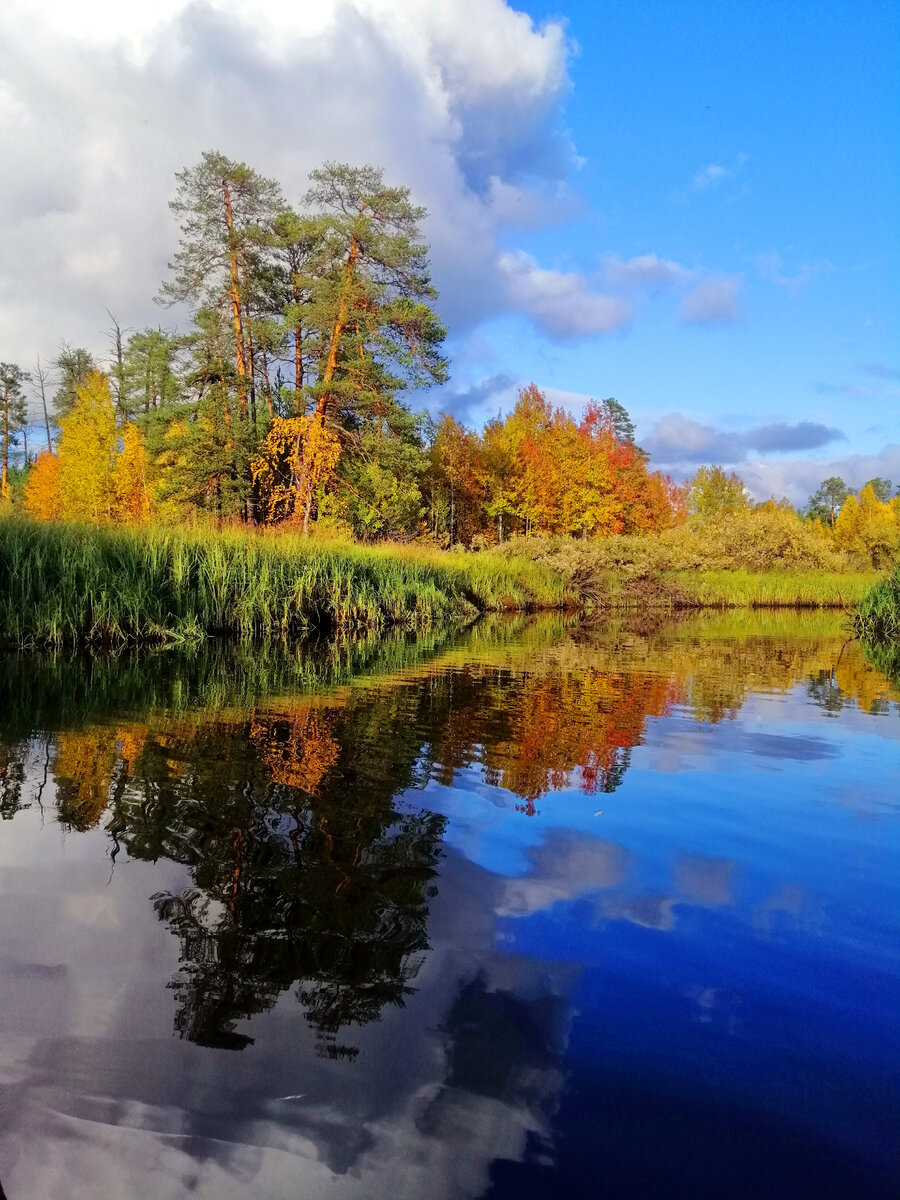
(534, 204)
(470, 402)
(714, 300)
(561, 303)
(799, 478)
(460, 99)
(676, 441)
(101, 104)
(645, 271)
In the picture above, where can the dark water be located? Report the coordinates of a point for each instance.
(533, 912)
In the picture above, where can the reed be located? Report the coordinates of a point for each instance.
(877, 616)
(65, 585)
(774, 589)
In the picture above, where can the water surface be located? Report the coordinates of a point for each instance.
(535, 910)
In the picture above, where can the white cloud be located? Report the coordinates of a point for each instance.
(715, 173)
(799, 479)
(561, 303)
(533, 205)
(646, 271)
(713, 301)
(101, 103)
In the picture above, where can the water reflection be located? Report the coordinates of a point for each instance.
(304, 825)
(275, 785)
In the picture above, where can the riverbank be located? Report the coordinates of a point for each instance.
(67, 585)
(64, 585)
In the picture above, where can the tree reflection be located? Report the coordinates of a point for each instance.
(283, 793)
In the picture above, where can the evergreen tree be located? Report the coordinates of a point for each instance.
(73, 365)
(827, 500)
(378, 333)
(13, 416)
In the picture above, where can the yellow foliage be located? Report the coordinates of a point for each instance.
(274, 468)
(131, 497)
(87, 441)
(868, 527)
(42, 498)
(293, 445)
(98, 474)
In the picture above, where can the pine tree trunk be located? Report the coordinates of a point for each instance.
(250, 367)
(240, 358)
(304, 485)
(298, 353)
(267, 384)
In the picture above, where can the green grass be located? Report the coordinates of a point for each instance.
(67, 585)
(877, 617)
(774, 589)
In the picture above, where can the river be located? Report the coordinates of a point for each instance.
(532, 910)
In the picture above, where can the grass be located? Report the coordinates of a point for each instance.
(64, 585)
(877, 617)
(774, 589)
(754, 560)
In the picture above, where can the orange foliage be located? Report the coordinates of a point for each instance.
(98, 474)
(557, 477)
(298, 750)
(42, 498)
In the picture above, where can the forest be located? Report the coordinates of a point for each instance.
(287, 400)
(260, 468)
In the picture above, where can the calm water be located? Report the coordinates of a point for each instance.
(534, 912)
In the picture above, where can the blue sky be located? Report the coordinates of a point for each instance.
(688, 206)
(757, 141)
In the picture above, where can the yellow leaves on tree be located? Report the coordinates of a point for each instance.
(99, 473)
(42, 497)
(295, 448)
(868, 527)
(131, 496)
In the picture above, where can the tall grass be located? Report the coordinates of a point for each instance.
(64, 585)
(774, 589)
(877, 617)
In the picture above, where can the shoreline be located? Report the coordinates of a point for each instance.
(70, 586)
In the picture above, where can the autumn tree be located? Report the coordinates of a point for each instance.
(712, 491)
(41, 495)
(378, 331)
(455, 482)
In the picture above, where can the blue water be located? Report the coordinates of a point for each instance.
(310, 940)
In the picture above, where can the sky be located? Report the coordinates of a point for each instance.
(690, 207)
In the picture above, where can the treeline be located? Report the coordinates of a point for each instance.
(286, 399)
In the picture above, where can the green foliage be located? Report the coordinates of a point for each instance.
(826, 503)
(877, 617)
(73, 364)
(712, 491)
(883, 488)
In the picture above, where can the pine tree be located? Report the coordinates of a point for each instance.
(73, 365)
(13, 416)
